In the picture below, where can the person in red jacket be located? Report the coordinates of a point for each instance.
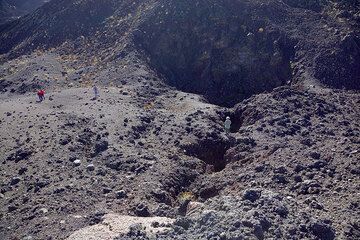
(41, 95)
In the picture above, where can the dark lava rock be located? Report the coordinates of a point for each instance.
(95, 218)
(281, 211)
(251, 195)
(352, 230)
(72, 158)
(355, 170)
(12, 208)
(183, 222)
(314, 204)
(277, 178)
(310, 187)
(280, 170)
(136, 232)
(85, 137)
(77, 162)
(322, 231)
(121, 194)
(15, 180)
(229, 217)
(22, 170)
(90, 167)
(106, 190)
(315, 155)
(59, 190)
(101, 147)
(21, 154)
(259, 168)
(318, 164)
(65, 141)
(298, 168)
(161, 196)
(142, 210)
(297, 178)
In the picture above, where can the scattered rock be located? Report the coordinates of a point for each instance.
(315, 155)
(77, 162)
(15, 180)
(121, 194)
(142, 210)
(90, 167)
(12, 208)
(281, 179)
(318, 164)
(21, 154)
(322, 231)
(44, 210)
(251, 195)
(101, 147)
(22, 170)
(28, 238)
(106, 190)
(95, 218)
(282, 211)
(65, 141)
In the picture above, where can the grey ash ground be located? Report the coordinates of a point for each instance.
(153, 144)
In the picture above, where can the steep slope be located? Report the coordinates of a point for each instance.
(13, 9)
(6, 11)
(225, 50)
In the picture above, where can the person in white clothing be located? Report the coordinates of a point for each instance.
(96, 92)
(227, 124)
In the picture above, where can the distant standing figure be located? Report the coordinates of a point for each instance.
(96, 92)
(227, 124)
(41, 95)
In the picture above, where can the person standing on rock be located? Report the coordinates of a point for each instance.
(227, 124)
(41, 95)
(96, 92)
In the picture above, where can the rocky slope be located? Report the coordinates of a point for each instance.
(224, 50)
(153, 144)
(13, 9)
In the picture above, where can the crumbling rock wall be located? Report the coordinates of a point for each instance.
(226, 50)
(216, 48)
(230, 50)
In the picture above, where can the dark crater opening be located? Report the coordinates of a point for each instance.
(210, 151)
(218, 51)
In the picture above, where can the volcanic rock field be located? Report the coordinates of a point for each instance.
(150, 158)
